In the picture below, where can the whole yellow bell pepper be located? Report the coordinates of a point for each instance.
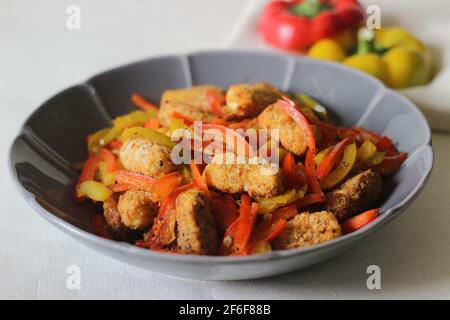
(393, 55)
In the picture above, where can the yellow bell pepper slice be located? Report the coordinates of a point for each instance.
(152, 135)
(261, 247)
(263, 151)
(106, 177)
(342, 169)
(377, 158)
(113, 133)
(269, 205)
(94, 190)
(135, 118)
(322, 155)
(187, 174)
(315, 106)
(366, 151)
(93, 140)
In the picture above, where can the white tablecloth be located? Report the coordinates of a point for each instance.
(39, 57)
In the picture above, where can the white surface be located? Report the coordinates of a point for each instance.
(428, 20)
(39, 57)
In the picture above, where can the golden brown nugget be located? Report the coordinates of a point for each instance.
(308, 229)
(249, 100)
(292, 137)
(165, 114)
(114, 221)
(250, 178)
(356, 195)
(196, 96)
(136, 209)
(143, 156)
(196, 226)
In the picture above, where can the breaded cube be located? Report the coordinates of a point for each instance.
(249, 100)
(308, 229)
(165, 114)
(254, 179)
(136, 209)
(196, 226)
(356, 195)
(142, 155)
(112, 216)
(196, 96)
(291, 136)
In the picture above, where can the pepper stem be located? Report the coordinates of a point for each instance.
(310, 8)
(366, 41)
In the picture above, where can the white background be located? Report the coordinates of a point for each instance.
(39, 57)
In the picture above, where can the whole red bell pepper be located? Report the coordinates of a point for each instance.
(297, 24)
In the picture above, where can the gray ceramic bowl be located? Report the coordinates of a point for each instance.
(53, 138)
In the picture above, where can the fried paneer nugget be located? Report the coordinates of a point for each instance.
(196, 96)
(143, 156)
(114, 221)
(196, 228)
(292, 137)
(165, 114)
(136, 209)
(253, 179)
(308, 229)
(356, 195)
(249, 100)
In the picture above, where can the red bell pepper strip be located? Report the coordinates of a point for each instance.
(310, 171)
(216, 102)
(247, 216)
(100, 226)
(297, 24)
(309, 199)
(159, 188)
(135, 180)
(186, 119)
(294, 173)
(227, 246)
(152, 123)
(239, 142)
(391, 164)
(268, 230)
(331, 159)
(368, 135)
(360, 220)
(143, 103)
(89, 169)
(221, 122)
(288, 106)
(198, 179)
(385, 144)
(109, 158)
(114, 145)
(285, 213)
(163, 186)
(161, 235)
(120, 187)
(288, 166)
(224, 210)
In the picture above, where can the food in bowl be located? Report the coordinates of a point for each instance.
(239, 171)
